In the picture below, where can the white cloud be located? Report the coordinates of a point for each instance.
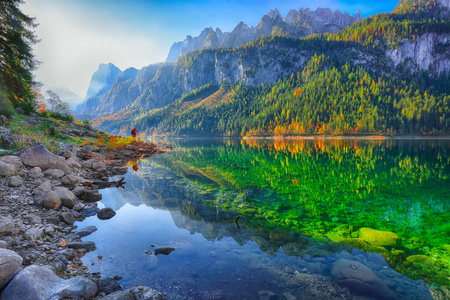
(75, 41)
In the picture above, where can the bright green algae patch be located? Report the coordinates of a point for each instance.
(390, 197)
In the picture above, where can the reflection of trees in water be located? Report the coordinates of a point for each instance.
(312, 187)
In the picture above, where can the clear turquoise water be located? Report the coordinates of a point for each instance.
(289, 196)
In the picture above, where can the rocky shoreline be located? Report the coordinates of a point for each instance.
(42, 195)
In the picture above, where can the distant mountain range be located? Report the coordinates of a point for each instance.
(270, 80)
(295, 24)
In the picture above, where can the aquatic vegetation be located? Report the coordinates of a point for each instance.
(388, 197)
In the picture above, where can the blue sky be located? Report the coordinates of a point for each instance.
(77, 35)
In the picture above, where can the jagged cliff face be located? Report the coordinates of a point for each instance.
(124, 91)
(428, 52)
(299, 23)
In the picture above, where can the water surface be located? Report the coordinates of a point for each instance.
(270, 219)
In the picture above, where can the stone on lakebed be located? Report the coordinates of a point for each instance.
(379, 238)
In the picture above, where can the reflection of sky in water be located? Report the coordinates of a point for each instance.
(219, 269)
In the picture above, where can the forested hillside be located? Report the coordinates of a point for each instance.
(387, 74)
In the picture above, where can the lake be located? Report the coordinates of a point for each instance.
(282, 219)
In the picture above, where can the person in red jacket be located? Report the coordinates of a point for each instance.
(133, 132)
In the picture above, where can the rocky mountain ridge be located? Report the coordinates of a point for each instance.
(260, 62)
(295, 24)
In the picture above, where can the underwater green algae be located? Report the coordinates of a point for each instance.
(345, 191)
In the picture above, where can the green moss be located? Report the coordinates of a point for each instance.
(379, 238)
(420, 261)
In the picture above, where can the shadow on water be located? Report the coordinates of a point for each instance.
(283, 219)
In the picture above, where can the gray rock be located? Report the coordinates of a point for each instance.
(48, 199)
(32, 121)
(40, 283)
(68, 199)
(15, 181)
(108, 285)
(35, 233)
(91, 196)
(52, 220)
(12, 160)
(106, 213)
(120, 295)
(86, 231)
(10, 265)
(67, 218)
(7, 226)
(78, 190)
(146, 293)
(54, 173)
(34, 219)
(68, 253)
(3, 244)
(39, 156)
(6, 169)
(79, 206)
(90, 211)
(88, 246)
(46, 186)
(36, 172)
(360, 279)
(73, 163)
(70, 180)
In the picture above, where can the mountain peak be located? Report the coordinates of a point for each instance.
(274, 13)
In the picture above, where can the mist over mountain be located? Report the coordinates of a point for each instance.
(100, 83)
(65, 95)
(296, 24)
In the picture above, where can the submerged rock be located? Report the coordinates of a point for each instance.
(40, 283)
(379, 238)
(86, 231)
(120, 295)
(164, 251)
(146, 293)
(108, 286)
(360, 279)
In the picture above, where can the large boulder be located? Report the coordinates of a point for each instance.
(12, 160)
(379, 238)
(10, 265)
(68, 199)
(360, 279)
(6, 169)
(48, 199)
(40, 283)
(39, 156)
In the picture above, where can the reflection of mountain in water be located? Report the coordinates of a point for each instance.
(197, 210)
(285, 191)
